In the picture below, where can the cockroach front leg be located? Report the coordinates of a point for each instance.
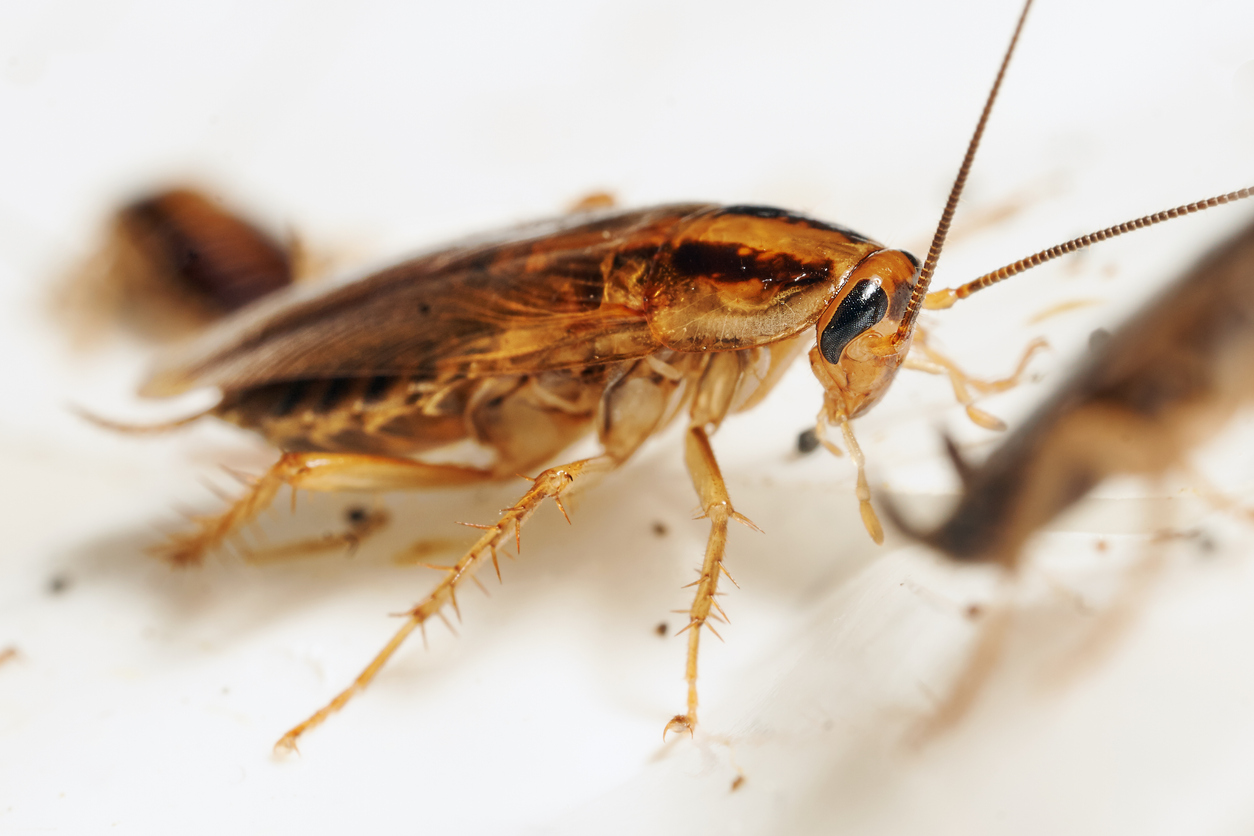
(717, 508)
(548, 485)
(933, 362)
(314, 472)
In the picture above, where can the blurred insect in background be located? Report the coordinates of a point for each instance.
(173, 262)
(1160, 385)
(613, 322)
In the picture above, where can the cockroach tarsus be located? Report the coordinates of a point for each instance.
(615, 322)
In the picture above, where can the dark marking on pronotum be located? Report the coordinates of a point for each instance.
(736, 263)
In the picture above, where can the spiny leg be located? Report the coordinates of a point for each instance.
(548, 485)
(933, 362)
(717, 508)
(314, 472)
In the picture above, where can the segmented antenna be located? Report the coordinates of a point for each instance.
(942, 228)
(945, 298)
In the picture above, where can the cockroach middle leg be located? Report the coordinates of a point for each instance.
(550, 484)
(934, 362)
(717, 508)
(314, 472)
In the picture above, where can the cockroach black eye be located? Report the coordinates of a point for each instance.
(865, 305)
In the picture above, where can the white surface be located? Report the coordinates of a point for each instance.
(146, 700)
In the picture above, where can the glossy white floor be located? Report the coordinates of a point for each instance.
(146, 700)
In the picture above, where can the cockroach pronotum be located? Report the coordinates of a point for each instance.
(613, 322)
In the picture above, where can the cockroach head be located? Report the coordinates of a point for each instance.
(857, 354)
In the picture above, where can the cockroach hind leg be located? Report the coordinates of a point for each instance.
(309, 471)
(548, 485)
(189, 548)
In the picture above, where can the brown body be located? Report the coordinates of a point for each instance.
(1159, 386)
(526, 343)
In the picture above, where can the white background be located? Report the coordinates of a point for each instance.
(146, 700)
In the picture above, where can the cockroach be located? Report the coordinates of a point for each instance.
(614, 322)
(1148, 393)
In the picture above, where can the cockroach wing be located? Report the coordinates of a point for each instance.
(559, 294)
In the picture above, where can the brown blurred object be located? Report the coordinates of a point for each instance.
(173, 262)
(592, 202)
